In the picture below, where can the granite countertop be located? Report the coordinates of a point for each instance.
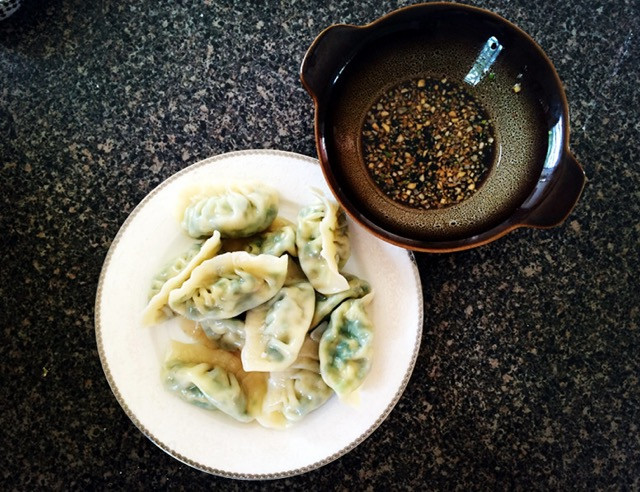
(528, 373)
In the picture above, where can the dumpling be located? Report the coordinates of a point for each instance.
(234, 208)
(293, 393)
(173, 268)
(223, 352)
(275, 331)
(322, 239)
(228, 285)
(174, 275)
(325, 304)
(227, 333)
(214, 379)
(278, 239)
(346, 346)
(208, 387)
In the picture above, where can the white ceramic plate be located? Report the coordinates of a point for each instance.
(132, 354)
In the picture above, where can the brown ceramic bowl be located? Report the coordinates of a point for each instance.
(533, 181)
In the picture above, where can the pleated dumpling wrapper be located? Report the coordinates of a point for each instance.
(177, 272)
(233, 208)
(229, 284)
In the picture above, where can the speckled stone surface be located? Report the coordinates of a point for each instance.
(528, 374)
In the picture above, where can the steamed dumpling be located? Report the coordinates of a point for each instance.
(228, 285)
(346, 346)
(227, 333)
(323, 245)
(208, 387)
(293, 393)
(275, 331)
(278, 239)
(214, 380)
(174, 275)
(174, 267)
(325, 304)
(234, 208)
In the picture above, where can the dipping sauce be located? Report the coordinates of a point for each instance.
(428, 143)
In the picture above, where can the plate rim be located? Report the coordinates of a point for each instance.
(165, 447)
